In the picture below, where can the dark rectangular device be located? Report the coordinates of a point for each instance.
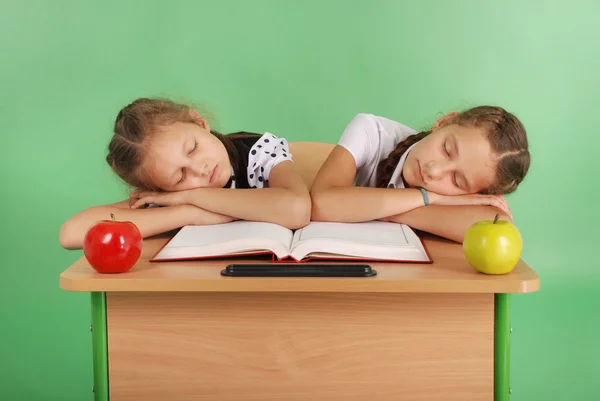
(297, 270)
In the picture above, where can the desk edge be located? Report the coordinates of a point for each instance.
(100, 285)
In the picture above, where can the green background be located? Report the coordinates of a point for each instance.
(300, 70)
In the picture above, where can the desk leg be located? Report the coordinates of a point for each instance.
(502, 347)
(100, 346)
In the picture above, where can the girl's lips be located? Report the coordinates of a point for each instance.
(213, 174)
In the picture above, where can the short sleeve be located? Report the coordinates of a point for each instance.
(367, 136)
(360, 137)
(265, 154)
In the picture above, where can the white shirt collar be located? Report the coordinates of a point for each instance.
(396, 181)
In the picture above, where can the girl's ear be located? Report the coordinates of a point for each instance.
(198, 119)
(445, 120)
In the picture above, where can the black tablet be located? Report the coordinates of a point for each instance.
(297, 270)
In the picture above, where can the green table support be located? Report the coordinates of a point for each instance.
(100, 346)
(501, 347)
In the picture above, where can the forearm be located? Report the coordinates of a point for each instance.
(275, 205)
(357, 204)
(451, 222)
(150, 221)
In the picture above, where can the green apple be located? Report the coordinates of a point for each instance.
(493, 247)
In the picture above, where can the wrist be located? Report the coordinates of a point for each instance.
(425, 195)
(184, 214)
(433, 198)
(191, 196)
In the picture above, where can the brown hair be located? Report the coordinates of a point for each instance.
(136, 123)
(507, 138)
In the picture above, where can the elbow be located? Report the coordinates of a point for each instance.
(68, 239)
(297, 212)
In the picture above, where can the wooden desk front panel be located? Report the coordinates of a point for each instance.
(302, 346)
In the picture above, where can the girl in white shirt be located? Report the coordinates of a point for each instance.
(169, 153)
(381, 169)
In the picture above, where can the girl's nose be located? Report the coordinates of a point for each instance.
(432, 171)
(435, 171)
(200, 170)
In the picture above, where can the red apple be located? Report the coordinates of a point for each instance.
(112, 246)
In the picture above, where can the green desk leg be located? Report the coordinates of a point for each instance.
(100, 346)
(502, 347)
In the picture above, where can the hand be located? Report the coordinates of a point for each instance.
(159, 198)
(496, 201)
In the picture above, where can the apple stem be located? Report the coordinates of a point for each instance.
(496, 218)
(112, 216)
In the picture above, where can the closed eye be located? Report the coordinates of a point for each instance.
(194, 148)
(446, 148)
(182, 176)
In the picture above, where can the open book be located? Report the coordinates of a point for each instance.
(373, 240)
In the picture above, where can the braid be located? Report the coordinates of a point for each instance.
(386, 167)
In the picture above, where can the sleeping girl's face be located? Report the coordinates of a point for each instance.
(452, 160)
(186, 155)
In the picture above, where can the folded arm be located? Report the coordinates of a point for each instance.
(335, 198)
(150, 221)
(451, 222)
(285, 202)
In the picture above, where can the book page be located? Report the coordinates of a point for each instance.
(372, 232)
(369, 240)
(229, 238)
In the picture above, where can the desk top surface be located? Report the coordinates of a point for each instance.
(449, 272)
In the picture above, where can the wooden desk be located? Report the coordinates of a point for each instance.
(181, 331)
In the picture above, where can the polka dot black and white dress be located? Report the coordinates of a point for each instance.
(267, 152)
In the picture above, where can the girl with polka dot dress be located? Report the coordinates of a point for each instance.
(187, 174)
